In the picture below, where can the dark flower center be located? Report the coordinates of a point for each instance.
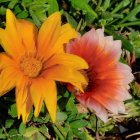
(89, 77)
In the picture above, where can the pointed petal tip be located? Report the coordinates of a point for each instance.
(53, 118)
(56, 15)
(36, 113)
(9, 12)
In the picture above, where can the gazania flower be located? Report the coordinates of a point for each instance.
(33, 61)
(107, 78)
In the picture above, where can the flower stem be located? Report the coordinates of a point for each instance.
(58, 133)
(128, 24)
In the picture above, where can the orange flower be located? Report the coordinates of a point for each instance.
(33, 61)
(108, 79)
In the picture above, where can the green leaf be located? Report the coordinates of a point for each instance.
(22, 128)
(135, 40)
(106, 4)
(44, 130)
(2, 136)
(13, 132)
(12, 4)
(23, 14)
(17, 9)
(9, 123)
(2, 1)
(53, 6)
(80, 134)
(71, 20)
(39, 136)
(132, 14)
(2, 10)
(30, 131)
(121, 5)
(26, 2)
(78, 124)
(83, 5)
(89, 137)
(61, 116)
(70, 106)
(35, 18)
(69, 135)
(12, 111)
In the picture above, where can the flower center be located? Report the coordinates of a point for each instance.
(89, 78)
(31, 66)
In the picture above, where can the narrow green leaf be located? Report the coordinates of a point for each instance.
(83, 5)
(69, 135)
(71, 20)
(70, 106)
(53, 6)
(23, 14)
(12, 4)
(121, 5)
(106, 4)
(35, 18)
(132, 14)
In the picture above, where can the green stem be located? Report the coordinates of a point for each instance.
(58, 133)
(61, 129)
(5, 132)
(121, 5)
(128, 24)
(98, 5)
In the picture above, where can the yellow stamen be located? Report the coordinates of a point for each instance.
(31, 66)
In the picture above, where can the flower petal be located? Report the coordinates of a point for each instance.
(65, 74)
(10, 37)
(66, 33)
(111, 104)
(7, 80)
(28, 33)
(44, 89)
(99, 110)
(26, 109)
(70, 60)
(50, 97)
(48, 33)
(6, 61)
(36, 94)
(23, 99)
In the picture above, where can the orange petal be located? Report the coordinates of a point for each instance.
(23, 99)
(6, 61)
(69, 60)
(65, 74)
(10, 37)
(36, 95)
(7, 80)
(67, 33)
(48, 33)
(28, 33)
(50, 98)
(26, 109)
(42, 88)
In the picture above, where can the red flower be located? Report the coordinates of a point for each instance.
(107, 78)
